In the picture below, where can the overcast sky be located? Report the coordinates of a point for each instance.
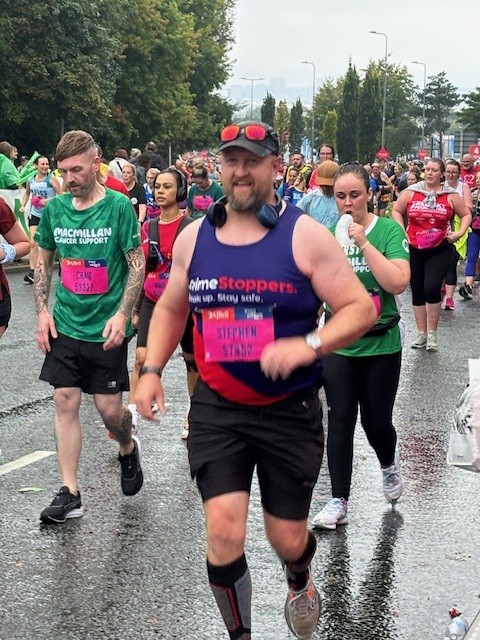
(272, 37)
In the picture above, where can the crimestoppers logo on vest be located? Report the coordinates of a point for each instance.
(247, 285)
(230, 290)
(82, 236)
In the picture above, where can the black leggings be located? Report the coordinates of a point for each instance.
(372, 383)
(451, 277)
(429, 268)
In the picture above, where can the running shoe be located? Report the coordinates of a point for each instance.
(420, 341)
(392, 482)
(132, 474)
(466, 291)
(333, 513)
(65, 505)
(28, 277)
(302, 610)
(432, 343)
(449, 304)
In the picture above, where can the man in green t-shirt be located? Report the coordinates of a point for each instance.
(97, 237)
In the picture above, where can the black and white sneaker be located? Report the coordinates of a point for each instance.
(466, 291)
(65, 505)
(28, 278)
(132, 474)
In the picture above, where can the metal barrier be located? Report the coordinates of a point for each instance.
(474, 632)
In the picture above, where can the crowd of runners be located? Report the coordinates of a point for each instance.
(223, 254)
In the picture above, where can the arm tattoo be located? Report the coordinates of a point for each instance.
(42, 281)
(136, 273)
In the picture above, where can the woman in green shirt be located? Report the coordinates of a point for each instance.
(366, 373)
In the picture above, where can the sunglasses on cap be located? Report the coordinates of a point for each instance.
(253, 132)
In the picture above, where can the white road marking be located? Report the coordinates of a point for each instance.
(24, 460)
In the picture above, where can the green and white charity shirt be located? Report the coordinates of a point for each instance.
(91, 248)
(389, 238)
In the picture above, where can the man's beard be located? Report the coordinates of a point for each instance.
(246, 203)
(83, 190)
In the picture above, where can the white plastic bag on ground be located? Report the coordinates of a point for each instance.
(464, 442)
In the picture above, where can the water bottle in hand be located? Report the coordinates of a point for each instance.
(341, 230)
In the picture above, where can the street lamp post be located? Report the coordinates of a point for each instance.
(313, 105)
(384, 110)
(423, 107)
(252, 80)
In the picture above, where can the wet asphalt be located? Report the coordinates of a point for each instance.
(134, 568)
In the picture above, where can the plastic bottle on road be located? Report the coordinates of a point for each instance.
(458, 627)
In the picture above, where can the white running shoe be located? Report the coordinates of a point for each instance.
(392, 482)
(333, 513)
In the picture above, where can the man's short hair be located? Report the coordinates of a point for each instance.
(5, 148)
(74, 143)
(121, 153)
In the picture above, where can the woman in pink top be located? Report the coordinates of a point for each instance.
(430, 206)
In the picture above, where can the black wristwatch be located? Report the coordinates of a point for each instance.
(149, 369)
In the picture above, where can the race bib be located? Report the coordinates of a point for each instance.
(235, 334)
(85, 277)
(202, 202)
(429, 239)
(155, 284)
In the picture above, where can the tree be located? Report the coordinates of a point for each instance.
(153, 107)
(330, 125)
(347, 136)
(213, 37)
(440, 98)
(59, 68)
(282, 124)
(268, 109)
(125, 71)
(327, 99)
(297, 127)
(469, 116)
(369, 115)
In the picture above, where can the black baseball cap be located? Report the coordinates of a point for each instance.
(257, 137)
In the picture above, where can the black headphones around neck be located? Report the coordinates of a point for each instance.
(267, 214)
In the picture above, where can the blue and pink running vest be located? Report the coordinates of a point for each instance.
(243, 297)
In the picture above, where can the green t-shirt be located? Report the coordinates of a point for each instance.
(389, 238)
(91, 246)
(198, 200)
(9, 176)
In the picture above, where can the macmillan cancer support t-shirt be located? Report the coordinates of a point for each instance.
(91, 246)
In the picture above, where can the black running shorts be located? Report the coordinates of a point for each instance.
(146, 311)
(283, 440)
(77, 363)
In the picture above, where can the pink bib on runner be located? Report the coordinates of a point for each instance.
(155, 284)
(85, 277)
(236, 334)
(432, 238)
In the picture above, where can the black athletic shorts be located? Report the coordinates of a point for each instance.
(77, 363)
(146, 311)
(283, 440)
(33, 221)
(5, 307)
